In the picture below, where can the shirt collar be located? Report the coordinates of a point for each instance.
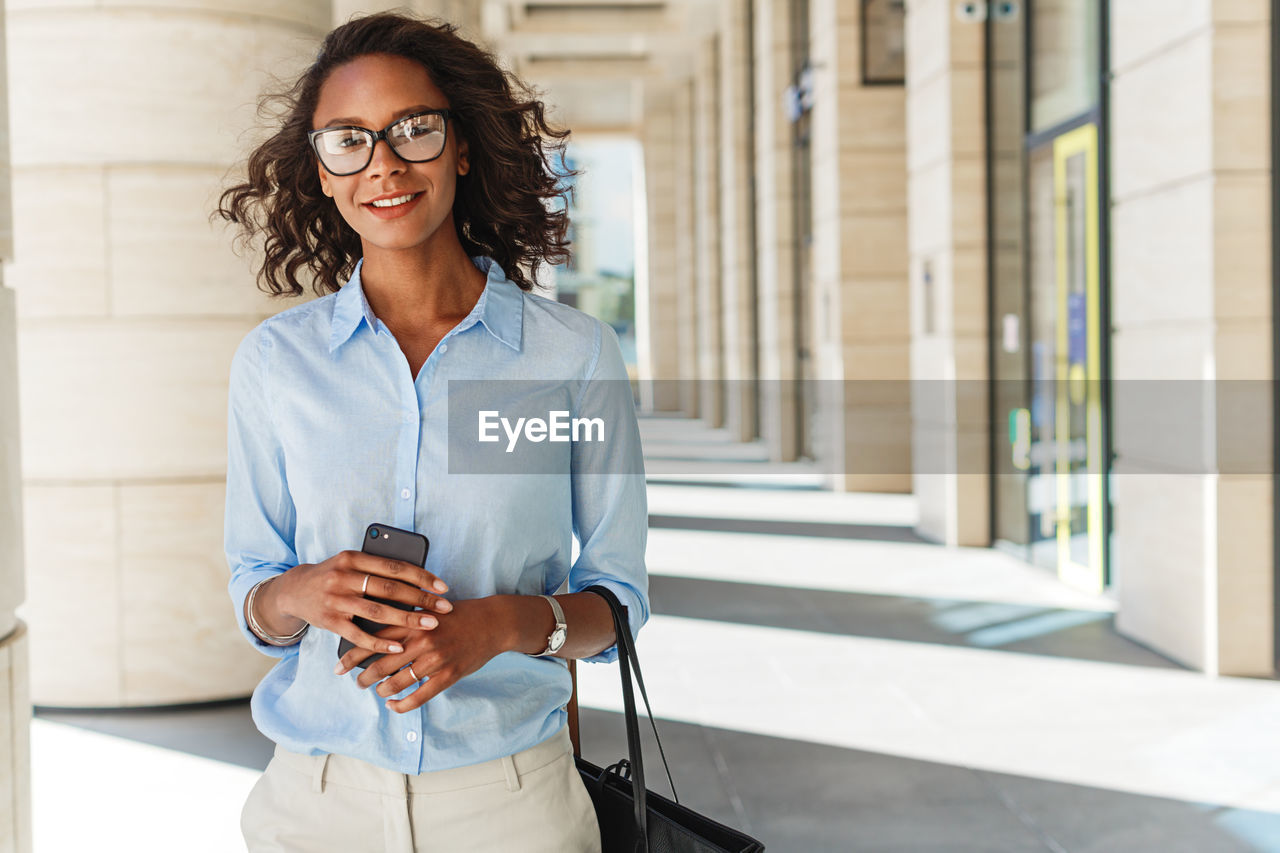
(349, 308)
(500, 308)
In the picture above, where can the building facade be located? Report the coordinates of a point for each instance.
(1014, 257)
(958, 249)
(1048, 224)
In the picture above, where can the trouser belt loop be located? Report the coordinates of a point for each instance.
(509, 768)
(317, 778)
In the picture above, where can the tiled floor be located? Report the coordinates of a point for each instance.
(825, 681)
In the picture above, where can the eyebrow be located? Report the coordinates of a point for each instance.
(346, 120)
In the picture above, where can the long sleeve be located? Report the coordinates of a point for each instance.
(260, 518)
(610, 507)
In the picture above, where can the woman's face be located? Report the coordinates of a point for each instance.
(373, 91)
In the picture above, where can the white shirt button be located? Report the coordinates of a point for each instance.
(444, 348)
(411, 737)
(405, 494)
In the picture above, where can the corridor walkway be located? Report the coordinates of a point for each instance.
(823, 679)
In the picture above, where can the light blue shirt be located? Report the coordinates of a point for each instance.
(328, 432)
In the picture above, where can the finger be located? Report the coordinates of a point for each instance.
(349, 630)
(399, 680)
(399, 570)
(366, 585)
(388, 615)
(356, 655)
(351, 660)
(430, 689)
(389, 666)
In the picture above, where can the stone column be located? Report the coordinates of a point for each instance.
(737, 206)
(775, 231)
(860, 304)
(658, 323)
(946, 167)
(130, 306)
(706, 230)
(1191, 301)
(685, 249)
(15, 697)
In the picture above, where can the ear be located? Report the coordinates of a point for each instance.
(324, 181)
(464, 160)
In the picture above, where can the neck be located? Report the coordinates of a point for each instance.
(413, 286)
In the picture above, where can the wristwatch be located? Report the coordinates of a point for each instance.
(556, 640)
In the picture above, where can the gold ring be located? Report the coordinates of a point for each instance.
(411, 672)
(365, 586)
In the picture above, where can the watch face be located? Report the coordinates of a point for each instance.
(557, 639)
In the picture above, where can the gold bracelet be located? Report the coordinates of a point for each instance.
(260, 632)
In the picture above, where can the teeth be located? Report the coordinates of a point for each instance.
(392, 202)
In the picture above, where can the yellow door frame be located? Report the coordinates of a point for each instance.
(1082, 140)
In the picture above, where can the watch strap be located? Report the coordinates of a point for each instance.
(560, 625)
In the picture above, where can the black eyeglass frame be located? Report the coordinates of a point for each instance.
(312, 135)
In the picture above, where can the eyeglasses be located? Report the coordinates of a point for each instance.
(345, 150)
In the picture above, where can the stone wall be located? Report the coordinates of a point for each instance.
(946, 167)
(1191, 300)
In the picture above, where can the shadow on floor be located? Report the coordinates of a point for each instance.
(818, 529)
(759, 484)
(800, 797)
(1053, 632)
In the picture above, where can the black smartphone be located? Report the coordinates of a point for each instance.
(382, 540)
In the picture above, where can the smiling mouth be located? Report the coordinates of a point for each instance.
(395, 202)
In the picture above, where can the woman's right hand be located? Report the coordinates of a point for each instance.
(328, 594)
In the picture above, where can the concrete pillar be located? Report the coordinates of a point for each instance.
(706, 230)
(658, 323)
(685, 249)
(946, 167)
(860, 305)
(130, 306)
(737, 270)
(15, 697)
(1191, 238)
(775, 230)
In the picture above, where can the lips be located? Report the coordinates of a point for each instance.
(392, 205)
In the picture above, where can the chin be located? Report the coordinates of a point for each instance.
(394, 245)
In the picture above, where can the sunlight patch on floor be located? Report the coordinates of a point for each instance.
(1147, 731)
(91, 791)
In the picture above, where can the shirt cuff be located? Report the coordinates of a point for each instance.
(637, 612)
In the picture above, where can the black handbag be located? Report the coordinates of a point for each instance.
(633, 819)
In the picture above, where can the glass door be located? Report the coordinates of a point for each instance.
(1066, 494)
(1047, 113)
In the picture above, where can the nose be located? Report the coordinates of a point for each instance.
(385, 161)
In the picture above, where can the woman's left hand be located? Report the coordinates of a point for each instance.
(465, 640)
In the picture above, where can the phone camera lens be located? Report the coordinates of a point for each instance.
(374, 533)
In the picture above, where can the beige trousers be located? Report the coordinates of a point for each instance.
(530, 802)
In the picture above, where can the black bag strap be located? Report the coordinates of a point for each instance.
(628, 661)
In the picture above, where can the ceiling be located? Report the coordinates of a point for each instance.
(594, 60)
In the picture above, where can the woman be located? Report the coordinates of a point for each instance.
(411, 167)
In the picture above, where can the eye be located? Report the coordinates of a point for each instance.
(343, 140)
(348, 139)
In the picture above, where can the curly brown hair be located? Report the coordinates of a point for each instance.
(500, 208)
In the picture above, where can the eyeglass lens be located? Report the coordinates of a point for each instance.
(346, 150)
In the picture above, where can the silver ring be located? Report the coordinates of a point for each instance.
(365, 586)
(411, 672)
